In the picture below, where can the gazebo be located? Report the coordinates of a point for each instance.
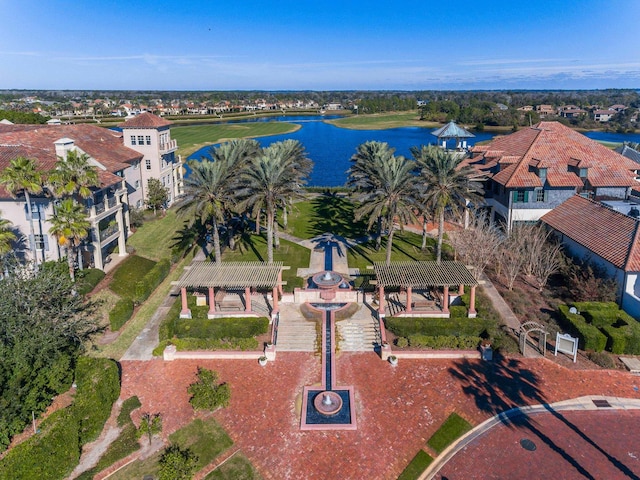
(231, 275)
(452, 131)
(425, 275)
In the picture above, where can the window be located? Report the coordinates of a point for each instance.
(542, 173)
(137, 184)
(148, 163)
(133, 139)
(41, 242)
(140, 140)
(583, 172)
(541, 196)
(519, 196)
(148, 138)
(163, 181)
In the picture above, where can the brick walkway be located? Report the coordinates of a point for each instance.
(397, 409)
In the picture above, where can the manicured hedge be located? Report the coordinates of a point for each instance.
(589, 337)
(440, 342)
(187, 344)
(129, 273)
(55, 451)
(407, 326)
(151, 280)
(120, 313)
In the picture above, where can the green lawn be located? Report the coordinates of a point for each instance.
(382, 121)
(453, 428)
(324, 213)
(193, 137)
(415, 468)
(253, 248)
(206, 438)
(155, 237)
(237, 467)
(131, 271)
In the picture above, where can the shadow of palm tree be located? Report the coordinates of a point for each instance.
(335, 214)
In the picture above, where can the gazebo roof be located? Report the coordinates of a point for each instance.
(451, 130)
(423, 274)
(231, 275)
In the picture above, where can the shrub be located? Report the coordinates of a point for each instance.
(439, 342)
(602, 359)
(404, 326)
(186, 344)
(402, 342)
(120, 313)
(151, 280)
(150, 425)
(177, 463)
(590, 338)
(206, 393)
(129, 273)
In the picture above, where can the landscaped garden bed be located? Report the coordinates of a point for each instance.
(202, 333)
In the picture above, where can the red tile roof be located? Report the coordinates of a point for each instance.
(555, 147)
(609, 234)
(145, 120)
(37, 142)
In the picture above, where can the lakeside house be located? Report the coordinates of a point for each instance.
(609, 239)
(123, 167)
(532, 171)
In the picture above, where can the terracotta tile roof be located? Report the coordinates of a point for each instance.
(37, 142)
(556, 147)
(145, 120)
(609, 234)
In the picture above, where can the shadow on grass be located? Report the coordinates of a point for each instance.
(335, 215)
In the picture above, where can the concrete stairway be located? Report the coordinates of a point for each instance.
(358, 334)
(297, 334)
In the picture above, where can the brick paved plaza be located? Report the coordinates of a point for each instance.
(397, 408)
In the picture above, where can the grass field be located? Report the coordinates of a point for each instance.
(194, 137)
(154, 239)
(382, 121)
(324, 214)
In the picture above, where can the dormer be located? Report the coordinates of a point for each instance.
(63, 146)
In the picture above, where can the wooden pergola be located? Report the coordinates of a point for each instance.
(410, 275)
(230, 275)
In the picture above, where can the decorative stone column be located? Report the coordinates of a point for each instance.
(212, 302)
(185, 312)
(247, 299)
(472, 303)
(445, 299)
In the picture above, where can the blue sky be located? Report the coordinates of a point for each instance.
(319, 44)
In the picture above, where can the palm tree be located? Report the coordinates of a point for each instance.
(73, 175)
(385, 189)
(7, 237)
(23, 175)
(446, 185)
(273, 178)
(69, 225)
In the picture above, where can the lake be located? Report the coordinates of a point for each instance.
(331, 147)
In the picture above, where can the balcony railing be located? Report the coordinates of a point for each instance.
(110, 230)
(169, 146)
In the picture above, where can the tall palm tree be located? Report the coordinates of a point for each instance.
(22, 176)
(7, 237)
(446, 185)
(73, 175)
(208, 196)
(385, 189)
(274, 177)
(69, 225)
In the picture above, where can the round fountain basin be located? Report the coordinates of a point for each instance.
(327, 403)
(327, 279)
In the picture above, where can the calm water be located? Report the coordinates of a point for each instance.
(331, 147)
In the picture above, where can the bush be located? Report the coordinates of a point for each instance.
(602, 359)
(177, 463)
(120, 313)
(206, 393)
(187, 344)
(402, 342)
(86, 280)
(129, 273)
(151, 280)
(440, 342)
(589, 337)
(406, 326)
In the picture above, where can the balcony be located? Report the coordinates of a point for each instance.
(168, 147)
(109, 231)
(106, 205)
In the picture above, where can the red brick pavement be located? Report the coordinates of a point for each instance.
(397, 408)
(572, 445)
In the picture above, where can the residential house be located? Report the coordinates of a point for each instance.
(571, 111)
(150, 135)
(107, 207)
(530, 172)
(545, 110)
(603, 115)
(604, 237)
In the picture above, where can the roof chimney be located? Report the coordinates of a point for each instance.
(63, 146)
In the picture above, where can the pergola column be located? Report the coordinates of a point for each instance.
(275, 298)
(381, 300)
(409, 309)
(445, 299)
(461, 289)
(472, 303)
(247, 299)
(185, 312)
(280, 282)
(212, 301)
